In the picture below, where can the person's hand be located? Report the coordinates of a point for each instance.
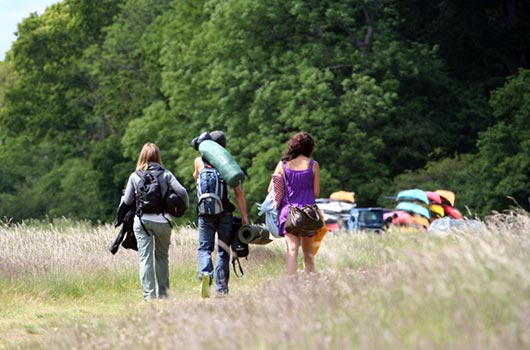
(244, 220)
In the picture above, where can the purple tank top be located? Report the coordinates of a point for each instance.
(299, 188)
(299, 185)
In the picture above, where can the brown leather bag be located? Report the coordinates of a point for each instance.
(303, 221)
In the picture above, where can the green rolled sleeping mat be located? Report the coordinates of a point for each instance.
(254, 234)
(223, 161)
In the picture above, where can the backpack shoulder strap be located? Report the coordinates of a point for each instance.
(241, 273)
(163, 184)
(164, 189)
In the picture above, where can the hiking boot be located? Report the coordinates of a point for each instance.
(205, 286)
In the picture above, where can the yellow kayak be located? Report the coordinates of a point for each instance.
(437, 211)
(448, 196)
(343, 196)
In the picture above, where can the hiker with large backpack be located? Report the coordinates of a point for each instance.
(215, 215)
(147, 189)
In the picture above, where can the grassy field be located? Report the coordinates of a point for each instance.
(60, 288)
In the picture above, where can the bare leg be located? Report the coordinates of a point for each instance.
(307, 248)
(293, 244)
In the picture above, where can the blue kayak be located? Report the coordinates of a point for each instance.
(414, 208)
(412, 196)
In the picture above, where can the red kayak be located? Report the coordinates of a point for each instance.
(452, 211)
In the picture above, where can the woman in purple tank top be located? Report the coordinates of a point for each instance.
(302, 176)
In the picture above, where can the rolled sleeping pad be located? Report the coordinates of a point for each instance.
(223, 161)
(254, 234)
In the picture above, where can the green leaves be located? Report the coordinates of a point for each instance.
(504, 148)
(88, 83)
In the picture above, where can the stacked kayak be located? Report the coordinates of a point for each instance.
(447, 201)
(398, 217)
(415, 203)
(413, 196)
(435, 205)
(418, 208)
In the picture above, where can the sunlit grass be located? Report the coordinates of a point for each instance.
(464, 290)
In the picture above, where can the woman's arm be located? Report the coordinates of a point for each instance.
(316, 179)
(128, 195)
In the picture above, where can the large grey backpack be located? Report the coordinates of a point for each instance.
(211, 189)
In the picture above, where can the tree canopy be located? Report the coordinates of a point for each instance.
(397, 93)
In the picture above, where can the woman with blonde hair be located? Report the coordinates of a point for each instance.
(152, 227)
(302, 175)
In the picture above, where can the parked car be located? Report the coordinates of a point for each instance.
(336, 212)
(367, 219)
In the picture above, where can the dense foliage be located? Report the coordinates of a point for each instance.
(397, 93)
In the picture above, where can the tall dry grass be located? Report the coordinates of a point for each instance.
(465, 290)
(58, 259)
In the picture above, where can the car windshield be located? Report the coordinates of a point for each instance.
(371, 218)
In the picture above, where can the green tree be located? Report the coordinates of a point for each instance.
(125, 78)
(47, 104)
(262, 70)
(503, 159)
(499, 172)
(483, 41)
(386, 87)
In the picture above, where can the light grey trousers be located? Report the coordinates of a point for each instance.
(153, 253)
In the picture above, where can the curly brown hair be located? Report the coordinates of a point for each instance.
(301, 143)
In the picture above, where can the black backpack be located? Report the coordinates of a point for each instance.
(239, 249)
(149, 199)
